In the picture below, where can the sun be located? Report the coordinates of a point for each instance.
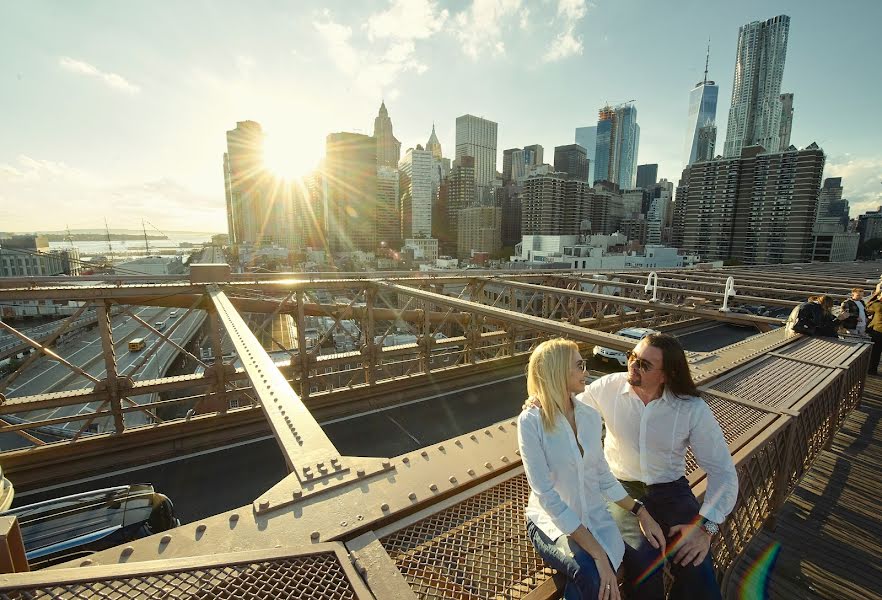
(287, 156)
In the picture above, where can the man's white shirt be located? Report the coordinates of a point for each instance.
(648, 443)
(568, 489)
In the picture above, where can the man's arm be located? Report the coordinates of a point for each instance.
(712, 454)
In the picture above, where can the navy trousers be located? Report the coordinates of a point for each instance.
(669, 504)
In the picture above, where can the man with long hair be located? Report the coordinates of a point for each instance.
(653, 414)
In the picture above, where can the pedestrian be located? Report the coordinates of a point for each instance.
(570, 481)
(814, 317)
(653, 414)
(874, 328)
(853, 313)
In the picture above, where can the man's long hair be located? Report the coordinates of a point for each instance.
(678, 378)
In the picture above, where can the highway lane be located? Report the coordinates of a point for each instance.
(85, 351)
(231, 476)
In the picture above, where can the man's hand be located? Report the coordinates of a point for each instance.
(692, 546)
(531, 402)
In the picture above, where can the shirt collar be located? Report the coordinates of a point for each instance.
(628, 390)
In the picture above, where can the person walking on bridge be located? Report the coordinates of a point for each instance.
(570, 481)
(653, 414)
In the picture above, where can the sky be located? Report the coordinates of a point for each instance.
(118, 110)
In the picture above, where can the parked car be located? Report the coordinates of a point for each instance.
(71, 527)
(609, 355)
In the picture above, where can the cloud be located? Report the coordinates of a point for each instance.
(567, 43)
(117, 82)
(407, 19)
(860, 181)
(41, 194)
(390, 49)
(480, 27)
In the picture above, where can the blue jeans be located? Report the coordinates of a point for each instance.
(669, 504)
(568, 558)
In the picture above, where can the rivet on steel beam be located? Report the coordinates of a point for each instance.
(458, 443)
(424, 453)
(412, 496)
(200, 528)
(471, 471)
(387, 464)
(234, 517)
(474, 437)
(503, 459)
(518, 452)
(502, 428)
(86, 563)
(297, 493)
(264, 504)
(405, 460)
(343, 523)
(433, 487)
(487, 432)
(314, 535)
(513, 423)
(165, 539)
(360, 517)
(441, 447)
(360, 472)
(127, 551)
(487, 465)
(452, 479)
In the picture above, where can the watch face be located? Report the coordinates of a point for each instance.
(711, 527)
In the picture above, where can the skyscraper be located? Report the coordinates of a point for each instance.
(572, 159)
(388, 148)
(757, 208)
(618, 139)
(350, 176)
(245, 181)
(587, 138)
(786, 121)
(434, 146)
(476, 137)
(534, 155)
(702, 113)
(388, 217)
(459, 194)
(755, 112)
(415, 169)
(647, 175)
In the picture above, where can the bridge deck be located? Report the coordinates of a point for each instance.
(829, 528)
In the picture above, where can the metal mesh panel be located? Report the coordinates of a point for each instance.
(823, 350)
(771, 382)
(318, 576)
(475, 549)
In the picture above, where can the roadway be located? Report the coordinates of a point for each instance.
(213, 481)
(84, 350)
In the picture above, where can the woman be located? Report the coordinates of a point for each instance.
(570, 482)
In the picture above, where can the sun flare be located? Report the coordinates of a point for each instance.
(287, 157)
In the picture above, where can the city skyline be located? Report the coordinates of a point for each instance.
(101, 121)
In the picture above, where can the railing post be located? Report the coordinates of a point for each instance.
(729, 290)
(111, 377)
(302, 350)
(369, 347)
(217, 348)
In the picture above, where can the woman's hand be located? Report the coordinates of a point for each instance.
(609, 584)
(651, 530)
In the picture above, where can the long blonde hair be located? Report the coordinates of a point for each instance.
(547, 374)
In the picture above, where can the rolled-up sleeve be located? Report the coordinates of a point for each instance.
(712, 454)
(539, 474)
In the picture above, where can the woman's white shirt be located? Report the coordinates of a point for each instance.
(567, 488)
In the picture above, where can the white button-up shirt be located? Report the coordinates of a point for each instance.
(648, 443)
(567, 488)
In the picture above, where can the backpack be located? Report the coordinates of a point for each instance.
(805, 319)
(850, 307)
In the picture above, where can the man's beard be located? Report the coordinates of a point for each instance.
(634, 379)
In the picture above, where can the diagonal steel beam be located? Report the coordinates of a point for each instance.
(47, 351)
(307, 450)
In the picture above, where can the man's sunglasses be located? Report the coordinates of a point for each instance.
(642, 364)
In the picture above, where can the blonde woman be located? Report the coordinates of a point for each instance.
(570, 481)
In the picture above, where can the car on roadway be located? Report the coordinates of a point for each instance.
(609, 355)
(173, 314)
(63, 529)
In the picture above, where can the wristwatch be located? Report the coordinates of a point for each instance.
(709, 526)
(636, 508)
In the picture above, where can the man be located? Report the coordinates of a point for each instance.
(652, 415)
(854, 313)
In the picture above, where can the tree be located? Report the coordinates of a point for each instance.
(870, 248)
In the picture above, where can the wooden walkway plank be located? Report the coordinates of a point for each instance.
(829, 532)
